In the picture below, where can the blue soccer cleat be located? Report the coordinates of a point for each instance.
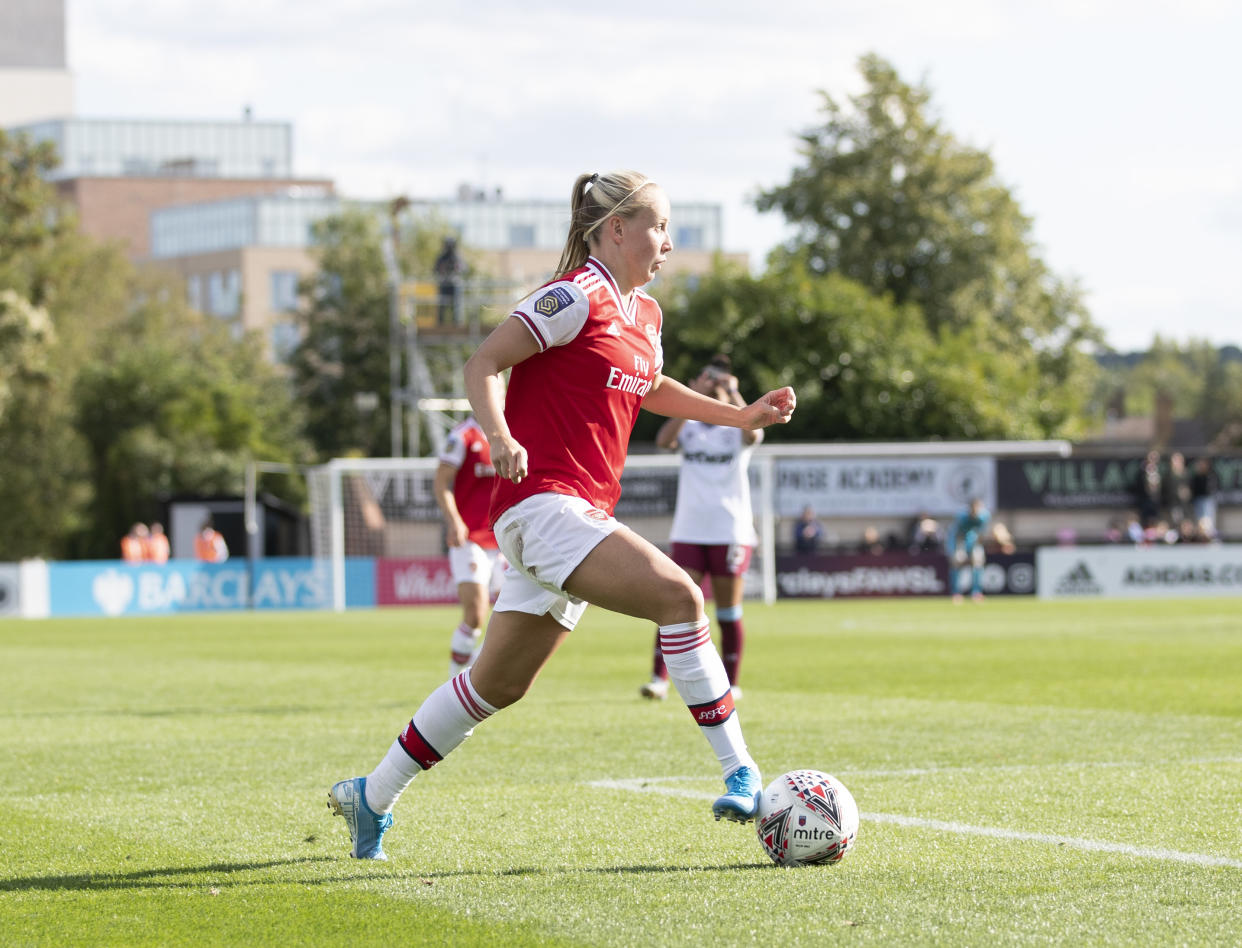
(349, 799)
(740, 802)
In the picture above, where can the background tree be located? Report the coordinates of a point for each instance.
(1220, 405)
(1203, 382)
(25, 339)
(179, 407)
(124, 395)
(69, 286)
(345, 343)
(891, 200)
(864, 367)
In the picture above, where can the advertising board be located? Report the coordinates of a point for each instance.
(110, 588)
(1097, 572)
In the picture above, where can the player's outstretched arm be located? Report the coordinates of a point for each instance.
(672, 399)
(774, 408)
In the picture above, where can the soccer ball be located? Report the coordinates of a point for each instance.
(806, 818)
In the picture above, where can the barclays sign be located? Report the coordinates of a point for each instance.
(114, 589)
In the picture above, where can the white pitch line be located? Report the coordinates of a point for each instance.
(1090, 845)
(659, 785)
(1059, 765)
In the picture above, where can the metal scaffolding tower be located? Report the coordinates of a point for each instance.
(434, 326)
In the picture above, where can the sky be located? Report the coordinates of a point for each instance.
(1114, 122)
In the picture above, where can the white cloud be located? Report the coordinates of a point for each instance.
(1109, 119)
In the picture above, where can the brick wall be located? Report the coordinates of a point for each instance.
(120, 208)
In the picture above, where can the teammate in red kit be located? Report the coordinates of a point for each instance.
(585, 355)
(463, 489)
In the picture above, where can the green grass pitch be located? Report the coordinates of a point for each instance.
(1028, 773)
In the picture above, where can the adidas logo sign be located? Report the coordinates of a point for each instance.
(1079, 582)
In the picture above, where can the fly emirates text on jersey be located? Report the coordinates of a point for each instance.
(637, 384)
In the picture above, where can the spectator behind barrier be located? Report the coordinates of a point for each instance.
(871, 542)
(1160, 532)
(926, 536)
(1204, 486)
(808, 532)
(1188, 531)
(1206, 530)
(1147, 490)
(1175, 490)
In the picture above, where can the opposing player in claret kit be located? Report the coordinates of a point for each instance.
(713, 531)
(463, 489)
(585, 355)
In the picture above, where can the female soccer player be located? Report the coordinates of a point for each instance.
(585, 355)
(463, 489)
(713, 526)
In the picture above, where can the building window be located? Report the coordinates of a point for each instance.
(521, 235)
(194, 291)
(284, 339)
(284, 291)
(224, 293)
(689, 238)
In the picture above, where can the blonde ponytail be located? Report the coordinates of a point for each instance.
(595, 198)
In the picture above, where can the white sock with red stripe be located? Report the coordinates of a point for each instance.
(695, 669)
(446, 718)
(462, 644)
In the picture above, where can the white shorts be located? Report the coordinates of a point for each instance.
(471, 563)
(544, 538)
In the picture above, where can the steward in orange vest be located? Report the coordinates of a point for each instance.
(209, 546)
(157, 544)
(134, 543)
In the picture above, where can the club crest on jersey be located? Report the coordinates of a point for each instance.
(553, 301)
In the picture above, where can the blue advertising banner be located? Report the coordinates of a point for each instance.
(109, 588)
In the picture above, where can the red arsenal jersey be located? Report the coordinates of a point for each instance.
(574, 403)
(467, 450)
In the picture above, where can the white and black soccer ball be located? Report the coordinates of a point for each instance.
(807, 818)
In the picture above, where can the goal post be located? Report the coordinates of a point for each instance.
(372, 507)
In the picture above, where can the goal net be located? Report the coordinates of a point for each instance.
(374, 508)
